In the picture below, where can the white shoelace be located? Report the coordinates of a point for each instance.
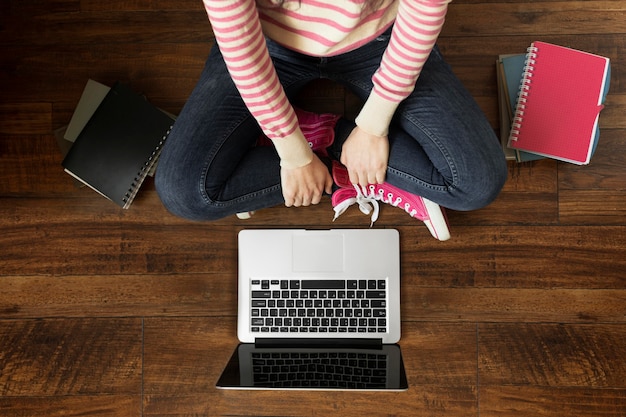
(368, 203)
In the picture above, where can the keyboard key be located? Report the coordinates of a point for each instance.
(261, 294)
(376, 294)
(323, 284)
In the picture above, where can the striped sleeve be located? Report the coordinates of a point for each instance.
(415, 32)
(238, 33)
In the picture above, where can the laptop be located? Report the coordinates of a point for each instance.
(318, 310)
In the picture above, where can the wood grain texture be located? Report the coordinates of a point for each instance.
(57, 357)
(124, 313)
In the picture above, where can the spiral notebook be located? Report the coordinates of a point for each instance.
(119, 145)
(559, 104)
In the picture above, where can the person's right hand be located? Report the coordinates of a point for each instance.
(305, 185)
(365, 157)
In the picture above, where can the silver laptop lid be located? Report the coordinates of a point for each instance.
(337, 254)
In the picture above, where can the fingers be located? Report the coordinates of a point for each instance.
(329, 185)
(304, 198)
(364, 178)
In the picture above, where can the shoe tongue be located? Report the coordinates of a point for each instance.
(340, 175)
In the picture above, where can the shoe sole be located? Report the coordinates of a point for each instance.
(245, 215)
(437, 223)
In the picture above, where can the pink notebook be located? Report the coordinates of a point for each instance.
(560, 99)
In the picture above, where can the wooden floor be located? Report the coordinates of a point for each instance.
(132, 313)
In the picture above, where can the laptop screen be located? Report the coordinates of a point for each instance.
(324, 368)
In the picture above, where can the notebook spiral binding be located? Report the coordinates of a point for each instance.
(529, 67)
(144, 171)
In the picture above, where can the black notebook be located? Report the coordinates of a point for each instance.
(119, 145)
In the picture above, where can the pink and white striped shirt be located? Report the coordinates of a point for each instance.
(322, 28)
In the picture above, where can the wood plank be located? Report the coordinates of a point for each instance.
(510, 208)
(112, 26)
(184, 294)
(164, 72)
(593, 207)
(535, 17)
(606, 170)
(64, 357)
(31, 164)
(517, 257)
(514, 305)
(553, 355)
(139, 5)
(513, 400)
(23, 9)
(72, 406)
(184, 358)
(82, 249)
(25, 118)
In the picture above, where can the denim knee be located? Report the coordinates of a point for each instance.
(482, 188)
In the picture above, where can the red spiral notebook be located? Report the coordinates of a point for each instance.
(559, 104)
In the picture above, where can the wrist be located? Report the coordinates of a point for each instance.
(375, 115)
(293, 150)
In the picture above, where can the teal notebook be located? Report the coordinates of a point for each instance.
(512, 73)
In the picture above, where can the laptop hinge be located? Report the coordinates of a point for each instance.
(319, 343)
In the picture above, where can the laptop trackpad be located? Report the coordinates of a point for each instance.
(318, 252)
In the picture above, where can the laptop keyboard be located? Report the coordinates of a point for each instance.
(318, 306)
(320, 370)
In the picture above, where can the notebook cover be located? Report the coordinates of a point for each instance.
(504, 115)
(119, 145)
(92, 96)
(559, 104)
(512, 74)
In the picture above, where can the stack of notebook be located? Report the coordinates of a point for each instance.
(550, 102)
(116, 136)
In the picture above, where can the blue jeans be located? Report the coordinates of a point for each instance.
(441, 145)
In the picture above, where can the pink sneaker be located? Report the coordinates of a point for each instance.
(367, 199)
(318, 129)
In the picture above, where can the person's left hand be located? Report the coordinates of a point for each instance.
(366, 157)
(305, 185)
